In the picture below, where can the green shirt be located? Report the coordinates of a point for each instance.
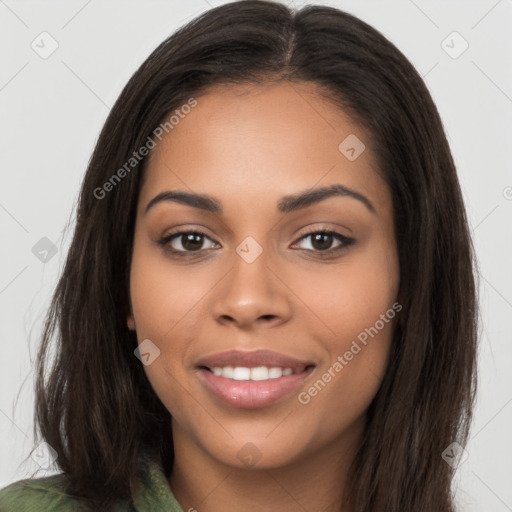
(47, 494)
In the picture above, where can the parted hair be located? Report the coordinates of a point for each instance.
(94, 404)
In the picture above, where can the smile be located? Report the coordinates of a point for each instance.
(252, 379)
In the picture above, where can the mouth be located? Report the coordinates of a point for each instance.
(251, 380)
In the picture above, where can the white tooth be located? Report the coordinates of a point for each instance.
(227, 372)
(275, 373)
(241, 373)
(259, 373)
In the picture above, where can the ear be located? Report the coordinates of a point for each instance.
(131, 322)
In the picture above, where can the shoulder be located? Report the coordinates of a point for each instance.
(37, 494)
(51, 494)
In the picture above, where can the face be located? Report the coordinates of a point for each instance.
(269, 318)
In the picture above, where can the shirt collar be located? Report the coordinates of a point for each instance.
(155, 494)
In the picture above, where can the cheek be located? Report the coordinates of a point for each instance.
(348, 297)
(355, 305)
(163, 294)
(168, 374)
(356, 363)
(165, 303)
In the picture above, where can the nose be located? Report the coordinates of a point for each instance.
(252, 295)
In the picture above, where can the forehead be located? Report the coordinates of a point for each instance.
(255, 141)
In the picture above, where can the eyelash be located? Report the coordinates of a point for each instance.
(345, 242)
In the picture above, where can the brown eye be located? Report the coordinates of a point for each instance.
(191, 241)
(184, 242)
(322, 240)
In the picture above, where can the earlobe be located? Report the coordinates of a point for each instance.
(131, 323)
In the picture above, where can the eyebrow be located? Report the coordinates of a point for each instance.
(286, 204)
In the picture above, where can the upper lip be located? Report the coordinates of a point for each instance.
(253, 359)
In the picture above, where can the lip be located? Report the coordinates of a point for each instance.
(250, 394)
(253, 359)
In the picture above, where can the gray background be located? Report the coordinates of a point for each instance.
(51, 112)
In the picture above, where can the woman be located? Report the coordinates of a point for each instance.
(269, 299)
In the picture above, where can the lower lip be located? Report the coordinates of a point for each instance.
(251, 394)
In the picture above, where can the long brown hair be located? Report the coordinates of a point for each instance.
(94, 404)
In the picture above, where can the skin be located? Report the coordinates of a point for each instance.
(248, 146)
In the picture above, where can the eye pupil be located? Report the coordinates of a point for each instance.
(192, 241)
(322, 246)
